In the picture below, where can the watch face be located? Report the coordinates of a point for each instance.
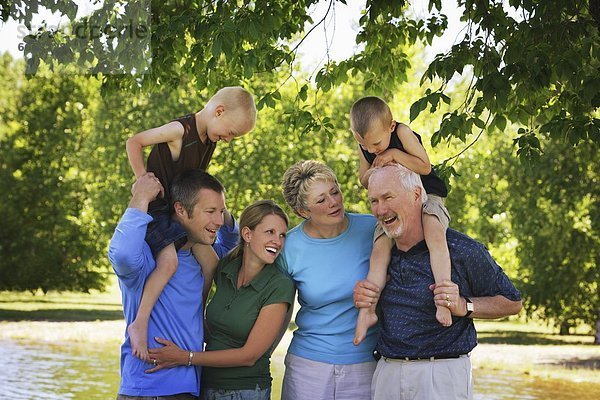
(469, 306)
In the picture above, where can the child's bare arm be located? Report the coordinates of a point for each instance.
(363, 167)
(414, 156)
(380, 258)
(170, 133)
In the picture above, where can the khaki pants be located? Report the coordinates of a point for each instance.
(447, 379)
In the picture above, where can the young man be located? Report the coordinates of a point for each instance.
(199, 207)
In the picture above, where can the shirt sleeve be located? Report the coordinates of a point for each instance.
(227, 239)
(281, 290)
(282, 265)
(128, 251)
(487, 278)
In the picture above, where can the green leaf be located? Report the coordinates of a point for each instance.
(70, 9)
(478, 123)
(435, 139)
(303, 93)
(417, 107)
(217, 46)
(500, 122)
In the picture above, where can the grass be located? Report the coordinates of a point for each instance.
(55, 306)
(520, 331)
(95, 317)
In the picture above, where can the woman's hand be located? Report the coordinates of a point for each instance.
(168, 356)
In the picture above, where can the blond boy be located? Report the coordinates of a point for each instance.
(381, 141)
(180, 145)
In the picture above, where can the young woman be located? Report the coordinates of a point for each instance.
(245, 315)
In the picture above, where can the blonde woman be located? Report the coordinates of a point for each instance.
(325, 255)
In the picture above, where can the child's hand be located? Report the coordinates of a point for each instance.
(385, 158)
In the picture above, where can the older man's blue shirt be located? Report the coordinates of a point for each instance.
(408, 324)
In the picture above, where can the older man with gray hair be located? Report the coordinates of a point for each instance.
(419, 358)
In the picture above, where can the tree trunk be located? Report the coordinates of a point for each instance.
(597, 337)
(564, 328)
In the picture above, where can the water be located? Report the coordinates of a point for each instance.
(78, 371)
(49, 372)
(503, 385)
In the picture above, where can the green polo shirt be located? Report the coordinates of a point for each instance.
(230, 316)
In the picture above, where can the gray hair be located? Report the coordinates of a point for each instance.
(405, 178)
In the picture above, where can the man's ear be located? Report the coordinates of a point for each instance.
(418, 193)
(219, 110)
(246, 234)
(179, 210)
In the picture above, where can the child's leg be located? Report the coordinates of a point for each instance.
(208, 260)
(166, 265)
(380, 258)
(435, 237)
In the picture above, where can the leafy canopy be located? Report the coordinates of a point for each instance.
(531, 62)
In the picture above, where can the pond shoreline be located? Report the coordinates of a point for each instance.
(87, 370)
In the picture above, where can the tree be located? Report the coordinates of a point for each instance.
(536, 66)
(541, 224)
(45, 242)
(557, 226)
(535, 63)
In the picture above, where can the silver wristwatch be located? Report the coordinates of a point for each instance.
(470, 307)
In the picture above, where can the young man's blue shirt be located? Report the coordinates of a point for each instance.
(177, 315)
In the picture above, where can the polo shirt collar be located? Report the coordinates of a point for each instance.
(418, 248)
(232, 268)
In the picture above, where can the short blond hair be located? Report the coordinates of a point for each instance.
(367, 110)
(238, 100)
(298, 179)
